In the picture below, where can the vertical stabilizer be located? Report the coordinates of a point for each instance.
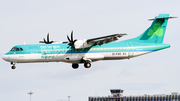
(155, 33)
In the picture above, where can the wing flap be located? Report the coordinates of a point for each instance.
(105, 39)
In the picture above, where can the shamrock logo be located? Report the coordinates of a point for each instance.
(156, 30)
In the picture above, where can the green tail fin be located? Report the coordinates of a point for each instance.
(155, 33)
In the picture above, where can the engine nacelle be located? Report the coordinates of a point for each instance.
(82, 44)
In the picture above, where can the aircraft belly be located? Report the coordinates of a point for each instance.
(123, 55)
(73, 58)
(93, 56)
(28, 58)
(15, 58)
(106, 56)
(115, 55)
(141, 53)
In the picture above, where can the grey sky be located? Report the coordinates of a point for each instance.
(30, 20)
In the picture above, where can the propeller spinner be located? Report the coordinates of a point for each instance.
(46, 42)
(71, 41)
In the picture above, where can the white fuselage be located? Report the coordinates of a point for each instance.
(72, 58)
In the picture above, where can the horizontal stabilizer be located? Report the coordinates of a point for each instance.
(162, 18)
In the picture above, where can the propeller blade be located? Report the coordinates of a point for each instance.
(51, 42)
(65, 42)
(71, 41)
(48, 38)
(44, 40)
(41, 41)
(72, 35)
(68, 38)
(74, 41)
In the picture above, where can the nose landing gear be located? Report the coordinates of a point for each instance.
(13, 67)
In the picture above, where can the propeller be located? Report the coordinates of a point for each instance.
(46, 42)
(71, 41)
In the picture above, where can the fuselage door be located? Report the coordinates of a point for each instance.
(130, 50)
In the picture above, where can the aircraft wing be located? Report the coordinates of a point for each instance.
(105, 39)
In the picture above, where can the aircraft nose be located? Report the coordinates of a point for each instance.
(5, 57)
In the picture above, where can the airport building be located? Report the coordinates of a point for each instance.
(117, 95)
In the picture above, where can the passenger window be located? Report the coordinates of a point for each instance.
(17, 49)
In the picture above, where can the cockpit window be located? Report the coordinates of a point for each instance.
(21, 49)
(13, 49)
(17, 49)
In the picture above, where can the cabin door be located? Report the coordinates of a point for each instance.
(130, 50)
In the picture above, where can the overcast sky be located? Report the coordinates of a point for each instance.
(30, 20)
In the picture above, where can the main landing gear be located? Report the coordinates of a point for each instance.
(13, 67)
(87, 65)
(76, 65)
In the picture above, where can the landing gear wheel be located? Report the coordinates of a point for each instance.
(13, 67)
(87, 65)
(75, 66)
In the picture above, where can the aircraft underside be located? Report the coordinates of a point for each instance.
(75, 59)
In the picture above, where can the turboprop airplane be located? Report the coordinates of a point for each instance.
(87, 51)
